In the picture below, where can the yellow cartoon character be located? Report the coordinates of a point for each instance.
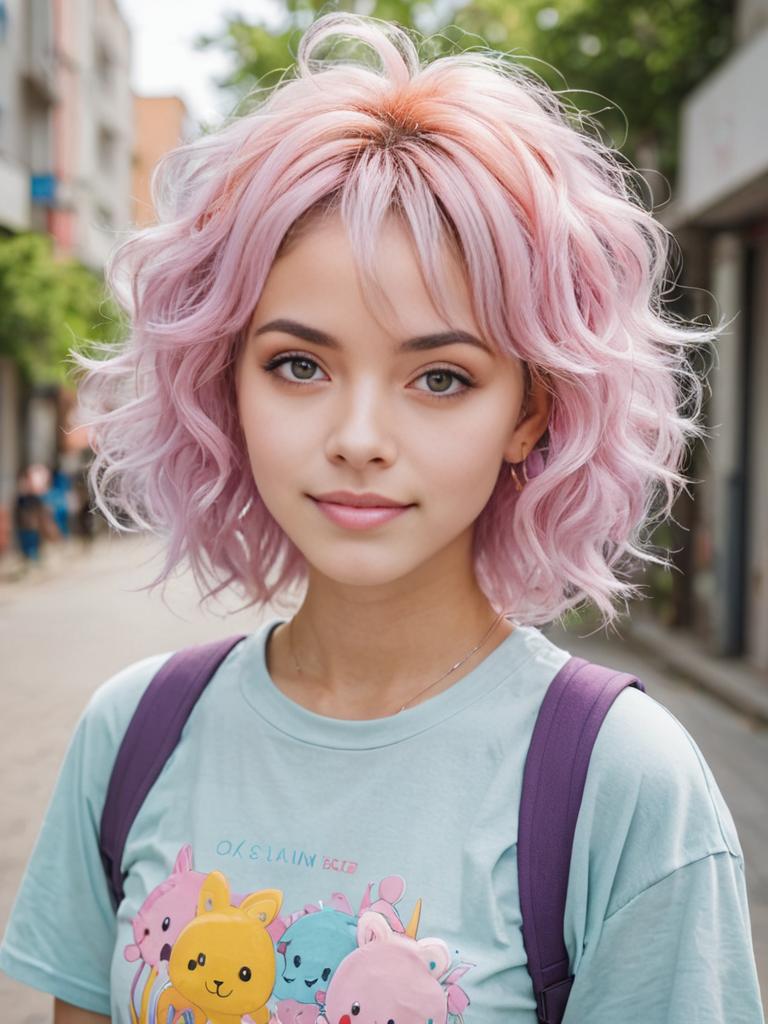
(223, 961)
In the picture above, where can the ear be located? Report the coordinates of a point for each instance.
(391, 888)
(535, 413)
(183, 860)
(263, 905)
(372, 927)
(435, 954)
(214, 894)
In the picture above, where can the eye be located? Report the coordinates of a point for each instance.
(201, 959)
(245, 974)
(326, 974)
(445, 377)
(355, 1009)
(297, 961)
(301, 367)
(192, 965)
(166, 924)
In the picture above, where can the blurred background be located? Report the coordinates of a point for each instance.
(93, 92)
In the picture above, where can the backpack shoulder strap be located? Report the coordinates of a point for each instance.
(151, 737)
(568, 722)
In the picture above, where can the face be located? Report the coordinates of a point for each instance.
(427, 427)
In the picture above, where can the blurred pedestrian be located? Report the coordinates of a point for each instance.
(57, 499)
(33, 520)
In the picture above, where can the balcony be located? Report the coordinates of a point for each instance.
(38, 64)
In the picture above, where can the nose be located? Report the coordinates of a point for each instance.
(362, 427)
(218, 984)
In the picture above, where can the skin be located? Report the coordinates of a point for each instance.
(390, 608)
(65, 1013)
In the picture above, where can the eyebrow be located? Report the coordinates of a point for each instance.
(420, 344)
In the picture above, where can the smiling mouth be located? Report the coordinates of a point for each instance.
(217, 993)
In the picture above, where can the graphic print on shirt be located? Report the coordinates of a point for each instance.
(321, 964)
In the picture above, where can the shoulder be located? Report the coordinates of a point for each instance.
(651, 803)
(110, 708)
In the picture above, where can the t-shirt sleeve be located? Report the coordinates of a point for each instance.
(657, 920)
(680, 951)
(61, 933)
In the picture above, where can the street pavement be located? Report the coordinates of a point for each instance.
(69, 625)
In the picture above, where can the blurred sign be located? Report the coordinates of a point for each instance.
(44, 189)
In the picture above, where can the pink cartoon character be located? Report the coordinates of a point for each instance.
(392, 977)
(168, 908)
(171, 905)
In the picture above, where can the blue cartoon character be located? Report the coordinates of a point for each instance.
(311, 943)
(310, 950)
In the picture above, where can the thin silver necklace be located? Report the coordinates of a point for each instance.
(429, 686)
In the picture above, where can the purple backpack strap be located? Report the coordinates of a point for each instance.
(151, 737)
(569, 719)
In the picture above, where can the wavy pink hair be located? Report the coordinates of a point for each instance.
(566, 271)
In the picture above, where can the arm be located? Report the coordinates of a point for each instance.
(680, 951)
(66, 1013)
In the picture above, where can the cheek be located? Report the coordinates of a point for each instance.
(270, 444)
(462, 459)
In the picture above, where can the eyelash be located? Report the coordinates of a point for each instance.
(289, 357)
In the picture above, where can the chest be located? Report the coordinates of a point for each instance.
(396, 877)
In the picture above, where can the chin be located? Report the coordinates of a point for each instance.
(359, 571)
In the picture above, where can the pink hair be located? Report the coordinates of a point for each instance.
(566, 270)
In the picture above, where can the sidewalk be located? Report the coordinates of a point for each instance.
(732, 680)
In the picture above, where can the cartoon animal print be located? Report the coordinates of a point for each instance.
(312, 942)
(167, 909)
(223, 961)
(309, 951)
(390, 977)
(291, 1012)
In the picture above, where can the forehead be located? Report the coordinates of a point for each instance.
(323, 269)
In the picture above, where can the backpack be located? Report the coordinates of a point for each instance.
(570, 716)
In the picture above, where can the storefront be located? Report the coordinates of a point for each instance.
(720, 217)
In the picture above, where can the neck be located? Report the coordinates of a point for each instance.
(364, 654)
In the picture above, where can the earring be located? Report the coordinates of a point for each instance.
(514, 475)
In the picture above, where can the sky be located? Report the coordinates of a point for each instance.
(164, 59)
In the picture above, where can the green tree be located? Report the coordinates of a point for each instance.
(47, 307)
(642, 58)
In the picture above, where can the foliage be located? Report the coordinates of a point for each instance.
(639, 58)
(48, 306)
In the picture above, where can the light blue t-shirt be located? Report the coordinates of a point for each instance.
(366, 870)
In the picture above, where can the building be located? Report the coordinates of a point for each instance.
(66, 146)
(160, 124)
(66, 123)
(720, 217)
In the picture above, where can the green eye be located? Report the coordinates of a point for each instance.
(303, 369)
(441, 378)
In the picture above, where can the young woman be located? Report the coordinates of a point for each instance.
(398, 359)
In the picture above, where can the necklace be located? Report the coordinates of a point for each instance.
(429, 686)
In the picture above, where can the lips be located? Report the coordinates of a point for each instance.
(357, 517)
(366, 500)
